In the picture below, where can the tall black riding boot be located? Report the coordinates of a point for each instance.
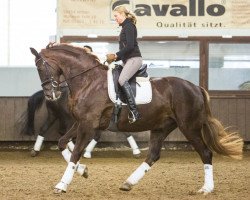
(127, 91)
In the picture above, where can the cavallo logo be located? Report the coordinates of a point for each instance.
(192, 8)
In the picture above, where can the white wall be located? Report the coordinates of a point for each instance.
(19, 81)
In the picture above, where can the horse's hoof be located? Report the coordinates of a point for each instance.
(126, 186)
(54, 148)
(60, 188)
(204, 191)
(87, 154)
(34, 153)
(58, 191)
(82, 170)
(137, 155)
(86, 173)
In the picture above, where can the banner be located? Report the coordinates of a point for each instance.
(156, 14)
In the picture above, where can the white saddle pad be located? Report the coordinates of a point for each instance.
(143, 90)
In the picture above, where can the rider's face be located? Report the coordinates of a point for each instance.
(119, 18)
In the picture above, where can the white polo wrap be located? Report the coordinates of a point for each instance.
(138, 173)
(80, 168)
(66, 155)
(39, 142)
(209, 180)
(133, 145)
(69, 173)
(71, 146)
(91, 146)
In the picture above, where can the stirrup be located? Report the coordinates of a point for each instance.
(132, 119)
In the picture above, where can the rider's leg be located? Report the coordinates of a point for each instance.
(129, 69)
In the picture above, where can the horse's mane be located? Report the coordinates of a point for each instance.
(76, 51)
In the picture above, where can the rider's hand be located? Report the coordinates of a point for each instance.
(111, 57)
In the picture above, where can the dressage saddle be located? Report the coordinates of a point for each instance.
(142, 72)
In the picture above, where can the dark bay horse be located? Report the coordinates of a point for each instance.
(58, 111)
(175, 103)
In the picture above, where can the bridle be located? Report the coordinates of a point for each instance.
(50, 78)
(55, 84)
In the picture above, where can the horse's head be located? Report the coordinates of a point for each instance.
(49, 74)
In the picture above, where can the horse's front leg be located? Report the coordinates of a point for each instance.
(73, 159)
(65, 142)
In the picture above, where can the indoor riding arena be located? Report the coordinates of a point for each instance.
(65, 129)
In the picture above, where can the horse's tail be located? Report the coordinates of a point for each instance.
(27, 119)
(217, 138)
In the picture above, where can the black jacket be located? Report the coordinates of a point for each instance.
(128, 45)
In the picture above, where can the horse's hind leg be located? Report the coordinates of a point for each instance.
(156, 141)
(92, 144)
(97, 136)
(206, 155)
(40, 137)
(133, 145)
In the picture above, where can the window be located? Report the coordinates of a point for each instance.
(22, 27)
(172, 58)
(229, 66)
(164, 58)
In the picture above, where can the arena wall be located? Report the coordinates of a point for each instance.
(233, 112)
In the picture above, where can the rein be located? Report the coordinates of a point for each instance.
(51, 80)
(78, 74)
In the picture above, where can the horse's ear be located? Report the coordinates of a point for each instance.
(34, 52)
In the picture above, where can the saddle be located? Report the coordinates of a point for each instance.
(116, 71)
(140, 85)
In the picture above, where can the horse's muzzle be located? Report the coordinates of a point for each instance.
(54, 96)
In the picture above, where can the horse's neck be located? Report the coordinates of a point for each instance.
(85, 81)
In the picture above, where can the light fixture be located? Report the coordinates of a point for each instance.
(92, 35)
(161, 42)
(182, 36)
(227, 36)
